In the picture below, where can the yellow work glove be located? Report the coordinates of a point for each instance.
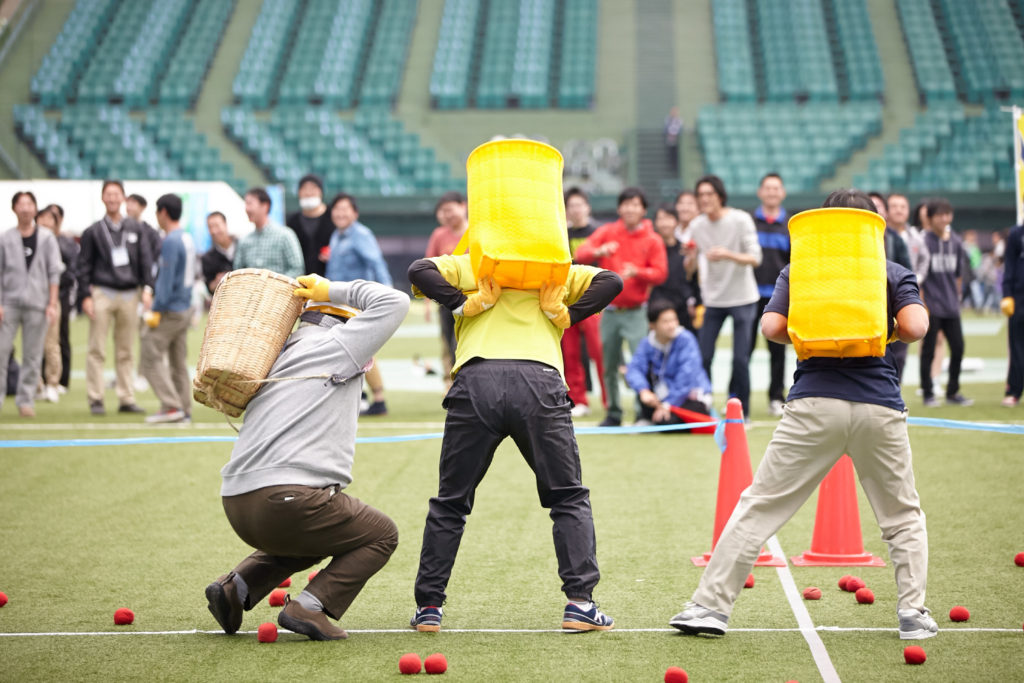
(314, 287)
(552, 302)
(151, 318)
(488, 291)
(1006, 306)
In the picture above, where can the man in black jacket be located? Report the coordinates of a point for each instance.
(218, 259)
(115, 273)
(312, 224)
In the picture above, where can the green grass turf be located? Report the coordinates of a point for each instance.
(87, 530)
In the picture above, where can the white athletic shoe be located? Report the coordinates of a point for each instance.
(775, 407)
(580, 410)
(50, 394)
(916, 624)
(694, 620)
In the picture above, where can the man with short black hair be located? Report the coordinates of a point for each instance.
(218, 259)
(30, 269)
(941, 293)
(312, 224)
(727, 253)
(269, 246)
(452, 223)
(772, 222)
(134, 205)
(631, 248)
(115, 273)
(164, 344)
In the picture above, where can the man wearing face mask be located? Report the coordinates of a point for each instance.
(312, 224)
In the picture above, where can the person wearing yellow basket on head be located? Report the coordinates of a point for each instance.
(284, 487)
(1012, 307)
(507, 377)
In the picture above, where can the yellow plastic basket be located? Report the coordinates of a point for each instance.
(517, 230)
(837, 295)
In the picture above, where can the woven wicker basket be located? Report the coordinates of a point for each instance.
(252, 314)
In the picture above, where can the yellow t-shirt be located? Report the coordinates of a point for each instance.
(515, 328)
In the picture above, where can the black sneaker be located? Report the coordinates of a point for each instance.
(376, 409)
(610, 422)
(97, 408)
(427, 619)
(959, 400)
(131, 408)
(224, 604)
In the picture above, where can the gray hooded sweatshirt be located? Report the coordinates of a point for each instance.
(303, 431)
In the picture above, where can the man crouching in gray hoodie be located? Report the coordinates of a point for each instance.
(283, 489)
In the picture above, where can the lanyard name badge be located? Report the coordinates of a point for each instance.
(118, 252)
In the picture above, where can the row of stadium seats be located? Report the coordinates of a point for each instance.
(369, 155)
(120, 51)
(102, 141)
(261, 64)
(988, 46)
(796, 57)
(947, 150)
(804, 144)
(509, 51)
(986, 53)
(386, 61)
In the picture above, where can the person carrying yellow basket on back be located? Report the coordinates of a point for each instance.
(512, 296)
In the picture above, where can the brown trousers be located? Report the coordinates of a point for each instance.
(52, 363)
(164, 361)
(295, 527)
(122, 309)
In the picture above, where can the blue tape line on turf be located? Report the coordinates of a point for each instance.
(611, 431)
(970, 426)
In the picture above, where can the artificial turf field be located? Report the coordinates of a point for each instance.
(88, 529)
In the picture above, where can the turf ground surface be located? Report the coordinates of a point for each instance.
(88, 529)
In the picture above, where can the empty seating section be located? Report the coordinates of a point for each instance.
(858, 49)
(386, 61)
(115, 145)
(254, 83)
(927, 55)
(988, 46)
(531, 63)
(134, 52)
(947, 150)
(453, 57)
(795, 50)
(193, 54)
(579, 54)
(55, 81)
(804, 144)
(371, 156)
(736, 76)
(515, 53)
(496, 57)
(328, 53)
(61, 157)
(188, 148)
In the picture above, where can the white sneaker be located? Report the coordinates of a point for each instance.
(50, 394)
(580, 410)
(775, 407)
(695, 620)
(61, 389)
(166, 416)
(916, 624)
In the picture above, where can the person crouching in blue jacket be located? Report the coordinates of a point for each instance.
(666, 371)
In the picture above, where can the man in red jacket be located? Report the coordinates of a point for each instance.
(631, 248)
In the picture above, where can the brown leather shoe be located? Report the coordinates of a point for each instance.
(297, 618)
(224, 605)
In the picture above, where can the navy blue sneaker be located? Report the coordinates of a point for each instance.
(427, 619)
(577, 620)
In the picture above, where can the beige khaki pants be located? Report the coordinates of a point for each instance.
(165, 363)
(52, 363)
(122, 309)
(812, 435)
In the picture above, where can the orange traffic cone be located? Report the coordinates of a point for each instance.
(734, 476)
(837, 540)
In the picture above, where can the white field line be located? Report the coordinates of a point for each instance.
(407, 631)
(803, 617)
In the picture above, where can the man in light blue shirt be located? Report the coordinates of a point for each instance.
(164, 351)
